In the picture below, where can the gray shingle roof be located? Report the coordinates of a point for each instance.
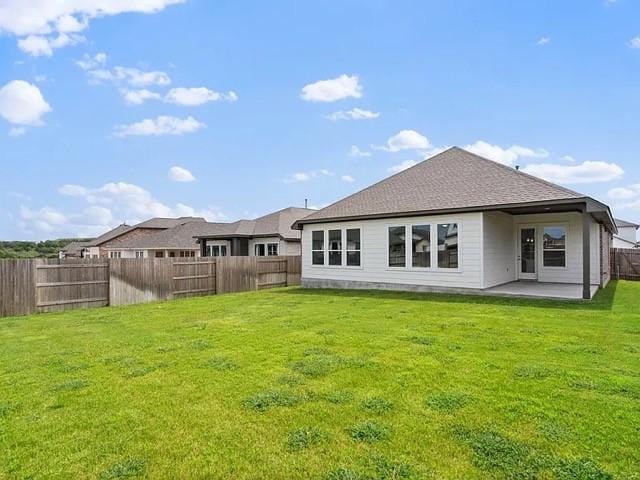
(74, 248)
(180, 237)
(453, 179)
(274, 224)
(110, 235)
(624, 223)
(157, 222)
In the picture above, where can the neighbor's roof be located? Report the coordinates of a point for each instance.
(180, 237)
(624, 223)
(452, 180)
(274, 224)
(158, 222)
(76, 247)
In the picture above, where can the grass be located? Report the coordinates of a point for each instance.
(337, 385)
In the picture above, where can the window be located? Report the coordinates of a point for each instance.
(172, 254)
(447, 245)
(259, 249)
(335, 247)
(554, 249)
(317, 247)
(353, 247)
(421, 246)
(115, 254)
(397, 248)
(216, 251)
(139, 254)
(272, 249)
(159, 254)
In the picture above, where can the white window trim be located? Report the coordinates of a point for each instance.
(343, 238)
(434, 251)
(566, 245)
(268, 244)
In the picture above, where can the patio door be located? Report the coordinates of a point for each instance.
(527, 254)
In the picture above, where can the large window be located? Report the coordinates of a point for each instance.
(554, 247)
(447, 245)
(353, 247)
(272, 249)
(317, 247)
(335, 247)
(421, 245)
(397, 249)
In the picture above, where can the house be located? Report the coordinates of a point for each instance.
(269, 235)
(151, 239)
(74, 249)
(115, 243)
(458, 222)
(626, 236)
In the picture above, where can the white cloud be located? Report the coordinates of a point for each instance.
(138, 97)
(17, 131)
(41, 46)
(162, 125)
(402, 166)
(407, 140)
(44, 25)
(128, 75)
(344, 86)
(106, 206)
(506, 156)
(347, 178)
(88, 62)
(22, 103)
(180, 174)
(355, 152)
(306, 176)
(353, 114)
(197, 96)
(635, 42)
(568, 158)
(586, 172)
(624, 193)
(544, 40)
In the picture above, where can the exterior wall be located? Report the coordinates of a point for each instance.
(374, 262)
(151, 253)
(605, 253)
(265, 240)
(572, 272)
(291, 248)
(628, 234)
(499, 244)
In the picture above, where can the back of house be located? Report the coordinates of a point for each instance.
(458, 222)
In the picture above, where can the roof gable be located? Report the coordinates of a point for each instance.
(451, 180)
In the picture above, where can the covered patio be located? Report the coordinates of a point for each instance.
(529, 289)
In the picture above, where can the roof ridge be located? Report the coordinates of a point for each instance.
(519, 172)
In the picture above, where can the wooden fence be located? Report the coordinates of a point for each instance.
(625, 263)
(36, 285)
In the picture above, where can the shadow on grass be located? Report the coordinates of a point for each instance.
(603, 300)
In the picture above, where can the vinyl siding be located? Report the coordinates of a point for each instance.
(374, 266)
(499, 248)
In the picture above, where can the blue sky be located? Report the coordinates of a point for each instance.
(96, 107)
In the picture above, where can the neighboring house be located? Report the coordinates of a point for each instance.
(265, 236)
(626, 237)
(75, 249)
(139, 241)
(458, 222)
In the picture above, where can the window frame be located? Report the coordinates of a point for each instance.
(323, 249)
(423, 224)
(457, 224)
(347, 250)
(433, 228)
(565, 249)
(271, 244)
(343, 250)
(331, 250)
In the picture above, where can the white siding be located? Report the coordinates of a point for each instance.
(572, 272)
(291, 248)
(374, 266)
(499, 248)
(627, 233)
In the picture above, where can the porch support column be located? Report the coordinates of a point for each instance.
(586, 254)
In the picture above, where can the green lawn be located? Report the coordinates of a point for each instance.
(290, 383)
